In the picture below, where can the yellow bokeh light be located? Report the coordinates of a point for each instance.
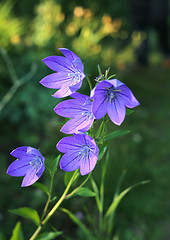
(106, 19)
(78, 11)
(15, 39)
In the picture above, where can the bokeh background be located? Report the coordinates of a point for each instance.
(99, 32)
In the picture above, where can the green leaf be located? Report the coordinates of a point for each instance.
(17, 232)
(42, 187)
(116, 134)
(48, 235)
(85, 192)
(78, 222)
(28, 213)
(67, 177)
(119, 197)
(103, 149)
(129, 111)
(54, 165)
(95, 189)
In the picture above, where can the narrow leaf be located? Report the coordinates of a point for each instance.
(28, 213)
(103, 149)
(95, 189)
(77, 221)
(48, 235)
(119, 197)
(42, 187)
(17, 232)
(116, 134)
(85, 192)
(54, 165)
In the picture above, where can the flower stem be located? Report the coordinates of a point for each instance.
(89, 82)
(49, 198)
(75, 175)
(81, 185)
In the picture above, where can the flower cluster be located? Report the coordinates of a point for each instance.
(80, 151)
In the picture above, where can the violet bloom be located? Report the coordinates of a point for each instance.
(79, 110)
(112, 97)
(29, 163)
(69, 73)
(80, 151)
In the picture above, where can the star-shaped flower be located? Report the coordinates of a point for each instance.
(69, 73)
(112, 97)
(79, 110)
(29, 163)
(80, 151)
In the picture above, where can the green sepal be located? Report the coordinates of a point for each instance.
(99, 70)
(129, 111)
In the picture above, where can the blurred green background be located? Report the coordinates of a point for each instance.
(99, 33)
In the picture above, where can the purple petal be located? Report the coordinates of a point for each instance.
(88, 126)
(40, 172)
(69, 108)
(87, 164)
(75, 87)
(78, 65)
(19, 168)
(116, 111)
(30, 178)
(70, 161)
(116, 83)
(56, 80)
(75, 124)
(19, 152)
(68, 54)
(92, 93)
(80, 97)
(62, 92)
(127, 97)
(100, 106)
(59, 64)
(84, 139)
(68, 144)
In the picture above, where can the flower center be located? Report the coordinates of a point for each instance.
(85, 150)
(88, 114)
(111, 94)
(75, 77)
(37, 163)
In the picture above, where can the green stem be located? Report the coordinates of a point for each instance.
(81, 185)
(89, 82)
(75, 175)
(49, 198)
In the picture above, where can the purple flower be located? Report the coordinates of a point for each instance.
(80, 151)
(79, 110)
(29, 163)
(69, 76)
(112, 97)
